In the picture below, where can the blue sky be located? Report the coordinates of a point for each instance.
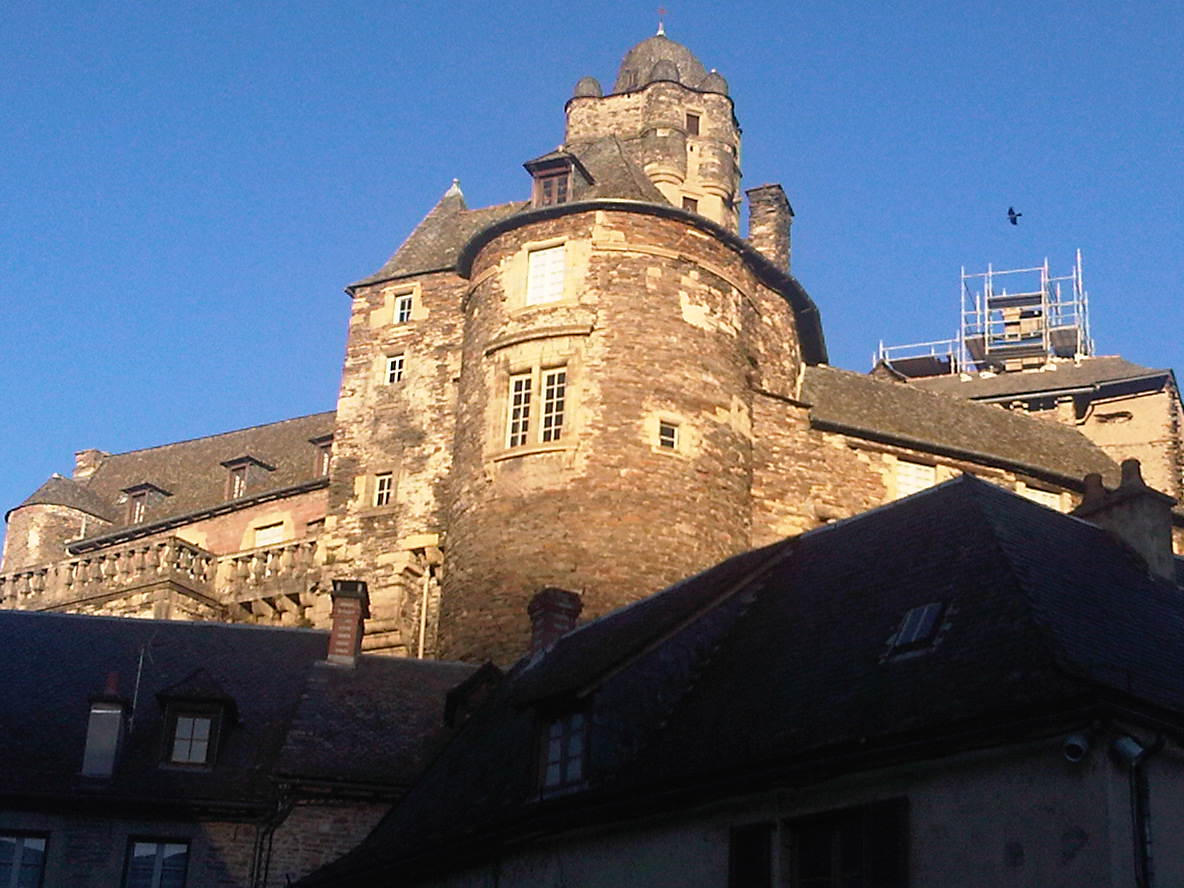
(185, 188)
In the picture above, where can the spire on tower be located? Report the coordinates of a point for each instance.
(661, 21)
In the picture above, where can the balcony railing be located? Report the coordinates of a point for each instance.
(108, 571)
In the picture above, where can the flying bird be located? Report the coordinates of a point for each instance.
(1012, 215)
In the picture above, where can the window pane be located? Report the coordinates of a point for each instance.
(912, 477)
(519, 415)
(554, 397)
(544, 275)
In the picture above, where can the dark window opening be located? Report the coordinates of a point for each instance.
(919, 627)
(22, 860)
(564, 750)
(156, 863)
(692, 124)
(552, 188)
(689, 203)
(750, 856)
(865, 846)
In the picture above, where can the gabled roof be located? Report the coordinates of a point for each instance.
(901, 413)
(776, 667)
(274, 681)
(1088, 373)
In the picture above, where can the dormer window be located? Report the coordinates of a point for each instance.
(556, 176)
(564, 753)
(196, 714)
(324, 446)
(140, 500)
(246, 475)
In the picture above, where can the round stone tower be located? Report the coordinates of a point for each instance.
(60, 510)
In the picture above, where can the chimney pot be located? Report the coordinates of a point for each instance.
(351, 606)
(553, 613)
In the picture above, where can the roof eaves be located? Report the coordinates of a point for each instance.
(805, 311)
(1069, 481)
(124, 534)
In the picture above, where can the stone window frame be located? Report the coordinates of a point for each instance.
(668, 434)
(403, 308)
(547, 286)
(693, 123)
(271, 525)
(527, 391)
(383, 493)
(513, 273)
(533, 356)
(395, 368)
(384, 313)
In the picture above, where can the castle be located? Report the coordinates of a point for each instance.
(603, 387)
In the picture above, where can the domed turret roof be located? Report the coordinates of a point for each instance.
(635, 68)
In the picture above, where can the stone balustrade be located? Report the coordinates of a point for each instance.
(270, 583)
(108, 571)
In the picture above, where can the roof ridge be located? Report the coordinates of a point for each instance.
(260, 425)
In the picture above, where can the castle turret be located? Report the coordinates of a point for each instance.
(58, 511)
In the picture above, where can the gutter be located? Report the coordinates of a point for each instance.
(89, 544)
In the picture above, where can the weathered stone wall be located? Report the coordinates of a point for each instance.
(315, 834)
(37, 534)
(1144, 426)
(652, 125)
(659, 322)
(402, 428)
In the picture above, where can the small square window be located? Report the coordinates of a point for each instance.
(692, 124)
(545, 271)
(192, 739)
(689, 203)
(22, 860)
(403, 308)
(668, 435)
(384, 487)
(156, 863)
(394, 369)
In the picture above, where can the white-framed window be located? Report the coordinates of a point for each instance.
(546, 387)
(912, 477)
(395, 365)
(545, 270)
(22, 861)
(518, 415)
(156, 863)
(403, 306)
(384, 488)
(667, 434)
(269, 534)
(1048, 498)
(565, 745)
(553, 401)
(191, 739)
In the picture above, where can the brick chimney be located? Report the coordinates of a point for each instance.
(1137, 514)
(351, 605)
(553, 613)
(86, 462)
(105, 730)
(769, 218)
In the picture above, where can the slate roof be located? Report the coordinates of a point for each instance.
(437, 240)
(774, 669)
(1087, 373)
(639, 62)
(60, 491)
(193, 474)
(902, 414)
(54, 663)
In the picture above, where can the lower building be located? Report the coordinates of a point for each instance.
(963, 687)
(162, 754)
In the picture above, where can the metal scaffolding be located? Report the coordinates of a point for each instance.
(1012, 319)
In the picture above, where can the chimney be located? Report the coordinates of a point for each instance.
(553, 613)
(105, 730)
(769, 218)
(86, 462)
(1137, 514)
(351, 605)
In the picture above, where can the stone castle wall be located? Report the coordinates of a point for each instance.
(659, 323)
